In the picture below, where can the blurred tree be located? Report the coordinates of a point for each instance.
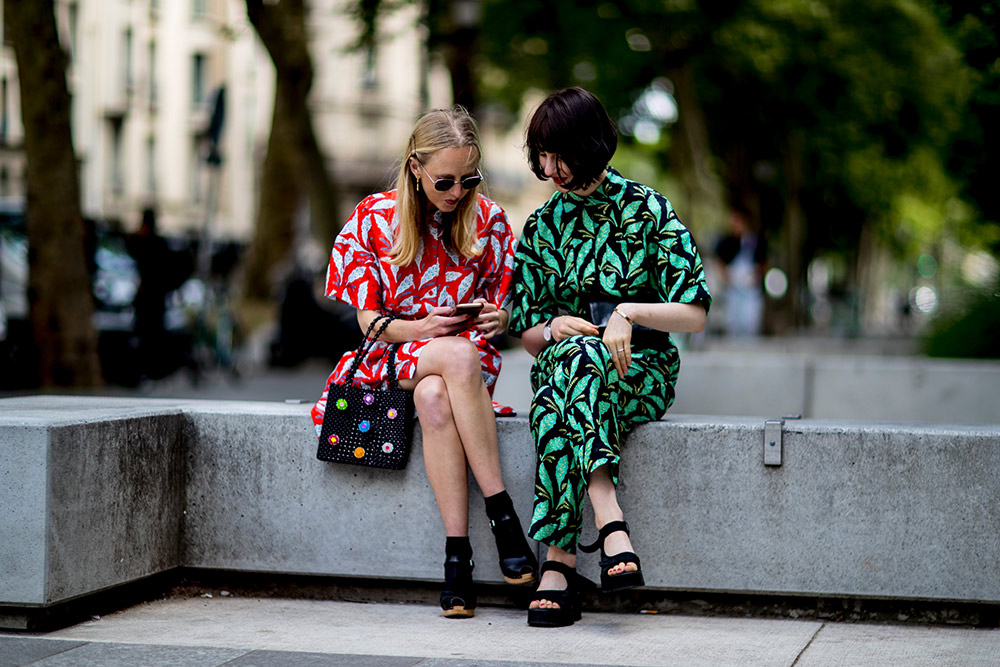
(62, 305)
(294, 164)
(975, 152)
(831, 120)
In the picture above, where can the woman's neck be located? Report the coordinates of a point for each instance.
(590, 189)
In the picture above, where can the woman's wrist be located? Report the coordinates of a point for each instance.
(620, 312)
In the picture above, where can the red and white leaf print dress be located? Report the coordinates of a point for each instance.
(360, 275)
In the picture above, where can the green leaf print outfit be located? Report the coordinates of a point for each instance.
(621, 243)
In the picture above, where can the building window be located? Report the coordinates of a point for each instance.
(151, 165)
(198, 79)
(127, 61)
(199, 7)
(4, 118)
(369, 78)
(152, 74)
(117, 172)
(196, 189)
(74, 17)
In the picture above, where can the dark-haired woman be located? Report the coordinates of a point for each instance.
(416, 252)
(603, 271)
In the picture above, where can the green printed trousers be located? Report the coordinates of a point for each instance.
(580, 412)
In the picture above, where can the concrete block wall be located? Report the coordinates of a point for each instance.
(853, 387)
(100, 492)
(91, 496)
(258, 500)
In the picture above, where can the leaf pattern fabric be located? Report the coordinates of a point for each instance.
(621, 243)
(360, 275)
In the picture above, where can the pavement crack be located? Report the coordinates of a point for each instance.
(808, 644)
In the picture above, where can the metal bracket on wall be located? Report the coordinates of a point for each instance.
(772, 441)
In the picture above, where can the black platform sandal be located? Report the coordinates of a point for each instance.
(517, 562)
(622, 580)
(568, 599)
(458, 599)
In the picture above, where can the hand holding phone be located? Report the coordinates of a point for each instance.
(471, 310)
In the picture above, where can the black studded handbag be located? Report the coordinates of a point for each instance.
(366, 426)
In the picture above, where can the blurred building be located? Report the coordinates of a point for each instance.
(145, 76)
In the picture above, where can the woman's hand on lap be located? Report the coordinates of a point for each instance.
(566, 326)
(618, 338)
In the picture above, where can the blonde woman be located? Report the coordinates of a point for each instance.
(417, 252)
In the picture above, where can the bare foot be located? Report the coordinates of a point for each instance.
(616, 543)
(551, 581)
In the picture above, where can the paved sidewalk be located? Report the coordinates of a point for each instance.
(245, 632)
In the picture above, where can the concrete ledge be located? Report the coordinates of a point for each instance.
(96, 493)
(831, 386)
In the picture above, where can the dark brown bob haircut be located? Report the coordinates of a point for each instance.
(573, 125)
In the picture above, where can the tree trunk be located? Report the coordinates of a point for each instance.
(59, 285)
(795, 232)
(282, 28)
(281, 193)
(691, 154)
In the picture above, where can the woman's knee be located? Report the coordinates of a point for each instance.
(460, 358)
(431, 400)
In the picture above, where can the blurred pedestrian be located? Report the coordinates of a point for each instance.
(742, 255)
(152, 259)
(415, 253)
(603, 271)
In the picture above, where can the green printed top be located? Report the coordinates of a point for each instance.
(623, 242)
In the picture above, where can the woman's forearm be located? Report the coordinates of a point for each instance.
(533, 341)
(398, 331)
(674, 317)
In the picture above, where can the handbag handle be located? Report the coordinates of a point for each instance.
(366, 345)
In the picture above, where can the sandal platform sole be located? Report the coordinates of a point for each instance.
(552, 618)
(523, 579)
(459, 612)
(611, 583)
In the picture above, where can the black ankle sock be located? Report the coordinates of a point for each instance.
(458, 546)
(499, 504)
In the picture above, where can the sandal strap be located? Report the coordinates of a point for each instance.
(606, 529)
(620, 559)
(561, 568)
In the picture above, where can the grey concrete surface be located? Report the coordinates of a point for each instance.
(253, 631)
(90, 498)
(135, 487)
(860, 380)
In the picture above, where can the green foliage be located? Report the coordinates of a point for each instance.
(871, 97)
(970, 331)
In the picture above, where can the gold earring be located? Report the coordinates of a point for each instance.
(418, 184)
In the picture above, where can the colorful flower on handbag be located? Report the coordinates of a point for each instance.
(334, 439)
(364, 426)
(359, 453)
(341, 403)
(387, 448)
(392, 414)
(369, 399)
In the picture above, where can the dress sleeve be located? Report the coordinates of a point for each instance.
(353, 274)
(531, 302)
(680, 276)
(496, 264)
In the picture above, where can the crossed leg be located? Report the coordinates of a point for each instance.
(459, 428)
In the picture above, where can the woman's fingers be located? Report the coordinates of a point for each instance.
(565, 326)
(618, 339)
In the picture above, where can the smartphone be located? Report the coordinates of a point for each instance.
(470, 309)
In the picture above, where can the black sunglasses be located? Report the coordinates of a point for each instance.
(445, 184)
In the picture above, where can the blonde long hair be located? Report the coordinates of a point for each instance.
(435, 130)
